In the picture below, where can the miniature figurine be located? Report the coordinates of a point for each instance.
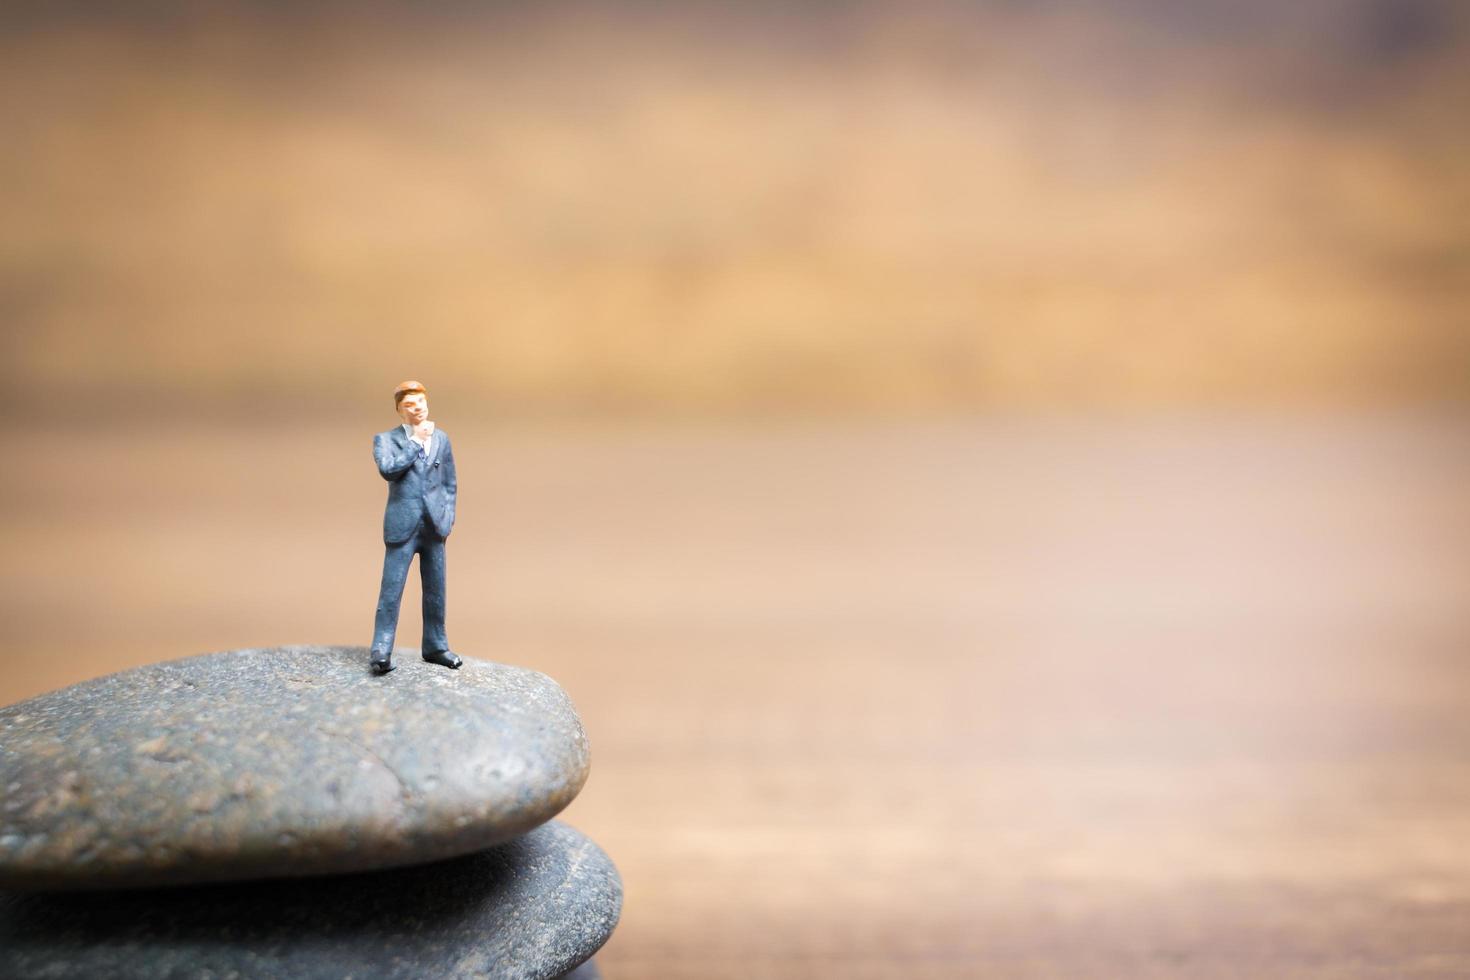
(418, 463)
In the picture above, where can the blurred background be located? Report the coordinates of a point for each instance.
(992, 476)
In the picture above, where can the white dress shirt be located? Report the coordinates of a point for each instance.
(424, 444)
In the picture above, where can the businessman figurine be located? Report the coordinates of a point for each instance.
(418, 463)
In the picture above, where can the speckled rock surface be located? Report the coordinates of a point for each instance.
(282, 761)
(531, 909)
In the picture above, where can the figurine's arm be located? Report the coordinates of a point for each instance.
(391, 463)
(451, 479)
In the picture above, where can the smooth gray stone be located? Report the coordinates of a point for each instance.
(284, 761)
(527, 910)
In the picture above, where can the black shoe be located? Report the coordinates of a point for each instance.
(382, 661)
(444, 659)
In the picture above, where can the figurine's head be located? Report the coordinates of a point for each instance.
(412, 401)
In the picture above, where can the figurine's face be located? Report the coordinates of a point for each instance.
(413, 409)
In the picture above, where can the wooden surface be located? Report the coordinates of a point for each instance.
(1017, 698)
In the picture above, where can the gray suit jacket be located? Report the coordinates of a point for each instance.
(415, 487)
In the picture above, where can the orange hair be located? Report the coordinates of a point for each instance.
(406, 389)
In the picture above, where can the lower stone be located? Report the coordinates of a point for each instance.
(532, 909)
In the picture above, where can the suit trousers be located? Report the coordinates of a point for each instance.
(427, 544)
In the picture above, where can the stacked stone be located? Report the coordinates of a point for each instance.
(285, 813)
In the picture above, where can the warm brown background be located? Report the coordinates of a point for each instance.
(726, 207)
(993, 477)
